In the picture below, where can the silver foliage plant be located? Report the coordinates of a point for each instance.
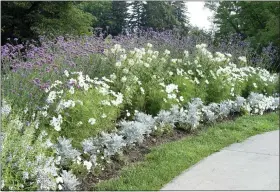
(65, 150)
(70, 182)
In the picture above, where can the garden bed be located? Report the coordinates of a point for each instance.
(80, 128)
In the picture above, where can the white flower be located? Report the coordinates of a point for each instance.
(186, 53)
(181, 98)
(255, 85)
(149, 45)
(60, 187)
(166, 52)
(228, 54)
(146, 65)
(92, 121)
(243, 59)
(170, 88)
(130, 62)
(113, 76)
(25, 110)
(79, 123)
(123, 79)
(142, 90)
(206, 81)
(56, 122)
(190, 72)
(59, 180)
(125, 70)
(51, 97)
(170, 73)
(118, 64)
(44, 113)
(105, 102)
(66, 73)
(173, 60)
(171, 96)
(103, 115)
(88, 164)
(196, 80)
(123, 57)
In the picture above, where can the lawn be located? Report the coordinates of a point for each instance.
(168, 160)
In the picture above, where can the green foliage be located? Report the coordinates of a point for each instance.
(26, 20)
(158, 15)
(70, 21)
(76, 119)
(218, 89)
(110, 15)
(186, 88)
(255, 22)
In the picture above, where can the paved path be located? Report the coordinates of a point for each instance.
(250, 165)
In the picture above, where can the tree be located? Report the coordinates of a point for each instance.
(255, 22)
(119, 14)
(110, 15)
(29, 19)
(137, 16)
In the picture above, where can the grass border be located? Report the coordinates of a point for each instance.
(168, 160)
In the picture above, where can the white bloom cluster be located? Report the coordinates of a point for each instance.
(56, 122)
(170, 89)
(65, 104)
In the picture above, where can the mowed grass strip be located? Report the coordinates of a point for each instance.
(168, 160)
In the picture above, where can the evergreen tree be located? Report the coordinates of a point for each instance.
(119, 14)
(136, 18)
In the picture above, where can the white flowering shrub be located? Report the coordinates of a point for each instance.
(82, 107)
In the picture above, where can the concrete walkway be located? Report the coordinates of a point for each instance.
(250, 165)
